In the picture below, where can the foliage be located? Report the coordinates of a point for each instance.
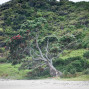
(72, 53)
(34, 26)
(15, 44)
(66, 39)
(2, 49)
(3, 60)
(38, 73)
(15, 40)
(86, 54)
(2, 38)
(86, 71)
(19, 42)
(71, 65)
(1, 30)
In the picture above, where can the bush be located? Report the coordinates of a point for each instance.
(86, 63)
(67, 74)
(79, 65)
(73, 71)
(86, 71)
(14, 62)
(71, 65)
(1, 32)
(38, 73)
(78, 33)
(67, 61)
(71, 59)
(2, 38)
(67, 38)
(2, 50)
(86, 54)
(2, 60)
(58, 62)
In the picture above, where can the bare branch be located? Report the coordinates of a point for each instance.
(46, 54)
(38, 66)
(31, 54)
(35, 53)
(41, 54)
(37, 58)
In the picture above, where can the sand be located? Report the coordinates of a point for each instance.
(43, 84)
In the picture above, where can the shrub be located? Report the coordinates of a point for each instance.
(71, 65)
(67, 74)
(86, 63)
(78, 33)
(38, 73)
(2, 38)
(1, 30)
(78, 65)
(2, 50)
(2, 60)
(15, 41)
(14, 62)
(86, 54)
(67, 38)
(73, 71)
(86, 71)
(71, 59)
(65, 62)
(58, 62)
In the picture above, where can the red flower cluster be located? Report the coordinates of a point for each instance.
(28, 31)
(5, 47)
(16, 37)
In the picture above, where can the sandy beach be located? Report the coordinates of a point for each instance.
(43, 84)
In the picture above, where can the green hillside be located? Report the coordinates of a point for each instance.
(63, 24)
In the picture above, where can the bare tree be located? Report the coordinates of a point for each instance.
(46, 57)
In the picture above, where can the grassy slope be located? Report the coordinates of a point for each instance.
(73, 53)
(80, 76)
(7, 71)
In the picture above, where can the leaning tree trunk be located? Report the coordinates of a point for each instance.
(54, 71)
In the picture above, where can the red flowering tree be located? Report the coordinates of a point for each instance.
(14, 45)
(15, 41)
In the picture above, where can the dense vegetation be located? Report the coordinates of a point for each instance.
(64, 24)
